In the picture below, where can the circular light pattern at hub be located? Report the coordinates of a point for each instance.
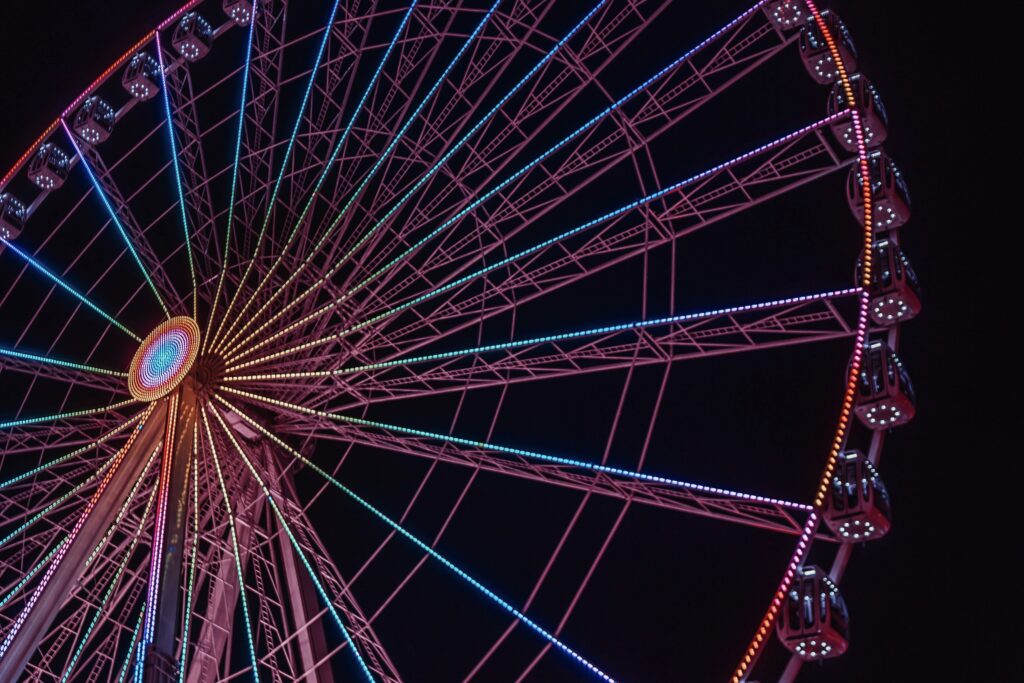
(163, 359)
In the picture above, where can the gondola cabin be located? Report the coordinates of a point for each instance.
(12, 216)
(192, 37)
(857, 505)
(142, 77)
(94, 120)
(890, 199)
(894, 290)
(814, 622)
(49, 167)
(240, 11)
(874, 121)
(816, 53)
(885, 397)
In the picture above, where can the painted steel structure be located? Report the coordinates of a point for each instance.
(316, 241)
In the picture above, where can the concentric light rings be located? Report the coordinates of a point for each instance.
(164, 359)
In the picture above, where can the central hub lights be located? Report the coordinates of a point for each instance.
(164, 359)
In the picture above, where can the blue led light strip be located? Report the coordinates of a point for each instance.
(563, 336)
(284, 164)
(234, 176)
(114, 218)
(177, 171)
(529, 250)
(110, 588)
(62, 416)
(234, 545)
(451, 152)
(554, 148)
(373, 170)
(565, 649)
(521, 452)
(60, 363)
(297, 547)
(69, 289)
(131, 644)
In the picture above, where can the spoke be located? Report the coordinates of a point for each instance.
(519, 174)
(779, 322)
(68, 288)
(131, 644)
(447, 155)
(111, 468)
(234, 545)
(69, 669)
(36, 358)
(296, 546)
(553, 640)
(284, 166)
(61, 416)
(512, 452)
(234, 176)
(177, 173)
(853, 374)
(192, 560)
(538, 247)
(369, 176)
(114, 218)
(73, 454)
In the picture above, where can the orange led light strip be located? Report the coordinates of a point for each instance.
(842, 428)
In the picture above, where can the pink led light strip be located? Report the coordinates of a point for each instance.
(842, 428)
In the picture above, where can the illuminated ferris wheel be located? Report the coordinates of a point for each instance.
(282, 258)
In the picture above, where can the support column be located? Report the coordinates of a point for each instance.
(160, 664)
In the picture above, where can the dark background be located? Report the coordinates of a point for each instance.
(928, 600)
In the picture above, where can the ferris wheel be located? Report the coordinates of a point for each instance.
(282, 258)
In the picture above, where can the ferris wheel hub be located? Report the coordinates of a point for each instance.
(164, 359)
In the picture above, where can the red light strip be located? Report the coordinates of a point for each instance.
(842, 428)
(92, 86)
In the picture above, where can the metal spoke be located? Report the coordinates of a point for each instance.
(68, 288)
(565, 649)
(72, 413)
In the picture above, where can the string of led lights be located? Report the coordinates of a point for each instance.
(90, 505)
(67, 288)
(280, 176)
(192, 558)
(68, 414)
(234, 175)
(853, 374)
(240, 575)
(172, 142)
(510, 450)
(491, 595)
(84, 638)
(295, 545)
(69, 456)
(614, 213)
(550, 338)
(34, 357)
(369, 176)
(84, 161)
(453, 148)
(159, 529)
(472, 206)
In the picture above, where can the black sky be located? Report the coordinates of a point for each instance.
(913, 594)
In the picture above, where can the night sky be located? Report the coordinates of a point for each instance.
(678, 599)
